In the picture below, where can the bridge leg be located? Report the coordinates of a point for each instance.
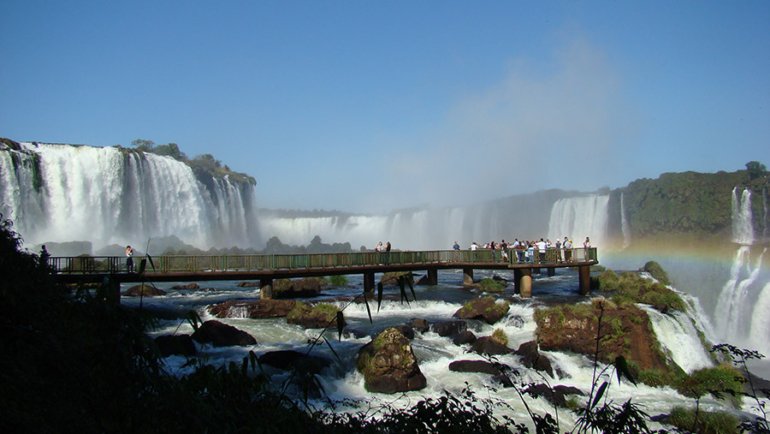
(432, 279)
(266, 288)
(517, 280)
(467, 276)
(584, 276)
(525, 283)
(112, 291)
(551, 271)
(369, 281)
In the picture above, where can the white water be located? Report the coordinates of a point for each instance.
(580, 217)
(625, 228)
(108, 196)
(677, 334)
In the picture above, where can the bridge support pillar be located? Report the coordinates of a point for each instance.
(551, 271)
(584, 276)
(369, 281)
(432, 278)
(467, 276)
(517, 280)
(525, 283)
(265, 288)
(111, 291)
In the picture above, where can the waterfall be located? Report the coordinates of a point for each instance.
(624, 224)
(679, 336)
(57, 193)
(743, 229)
(579, 217)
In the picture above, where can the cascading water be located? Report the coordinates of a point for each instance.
(624, 227)
(741, 307)
(580, 217)
(113, 196)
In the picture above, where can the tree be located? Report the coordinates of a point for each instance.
(755, 169)
(143, 145)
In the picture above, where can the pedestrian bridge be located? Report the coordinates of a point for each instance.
(265, 268)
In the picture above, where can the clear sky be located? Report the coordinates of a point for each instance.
(367, 106)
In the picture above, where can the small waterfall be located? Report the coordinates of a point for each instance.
(679, 336)
(743, 229)
(760, 320)
(624, 224)
(578, 217)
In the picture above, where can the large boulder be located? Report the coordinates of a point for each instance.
(317, 316)
(531, 358)
(449, 328)
(191, 285)
(143, 290)
(222, 335)
(389, 364)
(263, 308)
(488, 345)
(555, 395)
(480, 366)
(175, 345)
(297, 288)
(487, 309)
(464, 337)
(290, 359)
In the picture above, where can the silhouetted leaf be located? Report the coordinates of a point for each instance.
(152, 264)
(340, 324)
(142, 266)
(599, 394)
(621, 367)
(410, 281)
(379, 295)
(328, 344)
(368, 311)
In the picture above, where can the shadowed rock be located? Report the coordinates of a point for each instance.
(290, 359)
(175, 345)
(486, 309)
(531, 358)
(481, 366)
(222, 335)
(143, 290)
(389, 364)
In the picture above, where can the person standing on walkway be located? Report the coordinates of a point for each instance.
(129, 259)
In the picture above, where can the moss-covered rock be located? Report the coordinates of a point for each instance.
(487, 309)
(389, 365)
(630, 287)
(321, 315)
(657, 272)
(144, 290)
(296, 288)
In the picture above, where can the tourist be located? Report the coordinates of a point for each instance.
(378, 247)
(474, 246)
(587, 249)
(558, 250)
(44, 257)
(541, 246)
(387, 246)
(456, 246)
(567, 249)
(129, 259)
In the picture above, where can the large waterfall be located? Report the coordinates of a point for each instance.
(57, 193)
(580, 217)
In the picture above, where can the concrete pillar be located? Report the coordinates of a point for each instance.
(369, 281)
(584, 276)
(467, 276)
(266, 288)
(525, 283)
(517, 280)
(432, 278)
(112, 291)
(551, 271)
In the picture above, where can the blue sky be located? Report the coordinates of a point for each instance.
(367, 106)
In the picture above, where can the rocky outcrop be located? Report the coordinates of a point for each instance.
(555, 395)
(143, 290)
(464, 337)
(487, 345)
(264, 308)
(192, 285)
(480, 366)
(222, 335)
(420, 325)
(486, 309)
(626, 331)
(389, 364)
(449, 328)
(289, 359)
(175, 345)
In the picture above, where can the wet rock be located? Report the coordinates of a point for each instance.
(464, 337)
(222, 335)
(449, 328)
(143, 290)
(248, 285)
(179, 345)
(192, 285)
(389, 365)
(556, 395)
(264, 308)
(296, 288)
(489, 346)
(486, 309)
(531, 358)
(313, 317)
(480, 366)
(290, 359)
(420, 325)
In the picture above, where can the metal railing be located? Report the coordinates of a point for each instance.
(207, 263)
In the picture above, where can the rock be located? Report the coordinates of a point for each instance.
(389, 364)
(319, 316)
(296, 288)
(516, 321)
(464, 337)
(248, 285)
(179, 345)
(556, 395)
(531, 358)
(222, 335)
(406, 330)
(486, 309)
(420, 325)
(449, 328)
(192, 285)
(481, 366)
(289, 359)
(488, 345)
(263, 308)
(143, 290)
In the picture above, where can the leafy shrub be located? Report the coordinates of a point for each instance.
(500, 337)
(338, 280)
(491, 285)
(720, 381)
(657, 272)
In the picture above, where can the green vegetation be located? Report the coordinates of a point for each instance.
(500, 337)
(629, 287)
(491, 285)
(721, 381)
(704, 422)
(657, 272)
(339, 280)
